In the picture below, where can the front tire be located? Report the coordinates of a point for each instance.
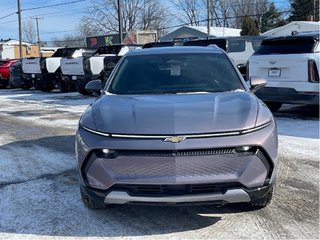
(264, 201)
(91, 203)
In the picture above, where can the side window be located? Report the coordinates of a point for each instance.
(236, 45)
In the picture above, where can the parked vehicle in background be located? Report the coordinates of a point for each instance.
(159, 44)
(15, 79)
(138, 142)
(44, 73)
(72, 69)
(101, 64)
(239, 49)
(31, 72)
(291, 66)
(5, 71)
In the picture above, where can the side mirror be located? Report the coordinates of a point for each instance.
(94, 87)
(257, 83)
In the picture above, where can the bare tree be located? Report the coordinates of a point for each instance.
(29, 31)
(69, 41)
(191, 11)
(250, 8)
(136, 15)
(220, 12)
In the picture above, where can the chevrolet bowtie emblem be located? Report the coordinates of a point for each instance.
(175, 139)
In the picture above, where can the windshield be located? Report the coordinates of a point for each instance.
(175, 73)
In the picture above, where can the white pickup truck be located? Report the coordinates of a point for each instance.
(81, 70)
(44, 73)
(72, 67)
(31, 71)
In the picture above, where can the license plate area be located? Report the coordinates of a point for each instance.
(274, 72)
(74, 77)
(33, 75)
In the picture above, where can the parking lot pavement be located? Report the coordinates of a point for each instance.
(40, 196)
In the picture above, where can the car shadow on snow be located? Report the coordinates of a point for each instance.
(49, 203)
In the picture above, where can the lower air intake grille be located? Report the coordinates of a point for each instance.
(180, 153)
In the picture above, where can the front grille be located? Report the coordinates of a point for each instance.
(172, 190)
(178, 153)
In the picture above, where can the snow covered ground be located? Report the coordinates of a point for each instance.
(40, 196)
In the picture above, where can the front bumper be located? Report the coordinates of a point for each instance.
(287, 95)
(173, 174)
(217, 195)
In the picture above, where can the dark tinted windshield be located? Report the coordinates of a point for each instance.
(88, 52)
(64, 52)
(158, 44)
(221, 43)
(286, 46)
(176, 73)
(111, 49)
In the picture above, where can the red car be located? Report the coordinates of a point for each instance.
(5, 71)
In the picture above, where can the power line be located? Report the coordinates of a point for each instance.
(40, 7)
(8, 15)
(52, 5)
(49, 15)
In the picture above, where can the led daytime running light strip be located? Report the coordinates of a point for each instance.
(234, 133)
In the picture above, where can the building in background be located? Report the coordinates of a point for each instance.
(186, 33)
(290, 28)
(134, 37)
(9, 49)
(48, 51)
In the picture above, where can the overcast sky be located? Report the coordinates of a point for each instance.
(57, 21)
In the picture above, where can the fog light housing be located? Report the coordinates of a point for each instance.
(108, 153)
(246, 149)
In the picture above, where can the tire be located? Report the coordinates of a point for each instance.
(46, 87)
(37, 84)
(63, 86)
(274, 106)
(90, 203)
(25, 87)
(264, 201)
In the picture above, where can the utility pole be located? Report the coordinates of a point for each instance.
(314, 10)
(39, 45)
(20, 32)
(120, 22)
(208, 18)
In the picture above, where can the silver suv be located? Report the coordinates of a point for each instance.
(176, 125)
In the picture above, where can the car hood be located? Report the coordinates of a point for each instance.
(175, 113)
